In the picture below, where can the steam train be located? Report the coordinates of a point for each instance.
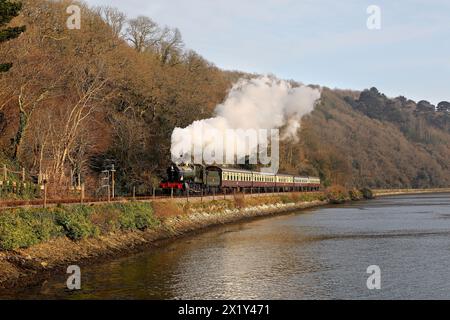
(199, 178)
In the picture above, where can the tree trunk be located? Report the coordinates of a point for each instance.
(23, 122)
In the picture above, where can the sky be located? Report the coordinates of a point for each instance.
(324, 42)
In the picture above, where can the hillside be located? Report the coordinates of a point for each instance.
(76, 101)
(375, 141)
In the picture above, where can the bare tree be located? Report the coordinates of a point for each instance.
(143, 32)
(31, 92)
(114, 18)
(170, 46)
(75, 118)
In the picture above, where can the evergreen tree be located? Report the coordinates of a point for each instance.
(8, 10)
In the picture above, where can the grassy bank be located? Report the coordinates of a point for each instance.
(23, 228)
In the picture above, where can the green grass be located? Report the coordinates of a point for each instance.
(23, 228)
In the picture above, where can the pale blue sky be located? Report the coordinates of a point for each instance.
(323, 42)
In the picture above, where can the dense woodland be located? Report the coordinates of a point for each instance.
(73, 102)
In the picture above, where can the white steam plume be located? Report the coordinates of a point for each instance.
(260, 103)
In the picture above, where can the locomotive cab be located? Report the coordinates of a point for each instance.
(184, 177)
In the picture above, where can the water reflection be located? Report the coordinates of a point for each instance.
(317, 254)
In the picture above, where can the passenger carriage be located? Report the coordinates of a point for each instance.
(215, 179)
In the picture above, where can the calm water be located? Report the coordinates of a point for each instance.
(317, 254)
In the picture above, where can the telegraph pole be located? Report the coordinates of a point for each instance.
(106, 183)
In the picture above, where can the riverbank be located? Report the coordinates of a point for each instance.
(397, 192)
(99, 234)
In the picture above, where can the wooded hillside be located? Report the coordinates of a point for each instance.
(76, 101)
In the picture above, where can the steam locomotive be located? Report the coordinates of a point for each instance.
(199, 178)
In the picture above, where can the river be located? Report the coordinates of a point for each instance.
(321, 253)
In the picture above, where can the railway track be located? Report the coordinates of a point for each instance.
(39, 203)
(16, 204)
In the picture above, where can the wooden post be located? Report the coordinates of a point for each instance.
(171, 193)
(82, 194)
(134, 193)
(5, 173)
(23, 175)
(113, 171)
(154, 193)
(45, 194)
(109, 193)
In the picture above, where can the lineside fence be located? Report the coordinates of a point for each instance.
(16, 183)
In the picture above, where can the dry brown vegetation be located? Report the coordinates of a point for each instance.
(167, 209)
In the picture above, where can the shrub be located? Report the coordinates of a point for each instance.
(43, 223)
(15, 232)
(355, 195)
(367, 193)
(137, 216)
(337, 194)
(106, 218)
(144, 216)
(76, 223)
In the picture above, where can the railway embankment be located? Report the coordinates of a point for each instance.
(36, 243)
(398, 192)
